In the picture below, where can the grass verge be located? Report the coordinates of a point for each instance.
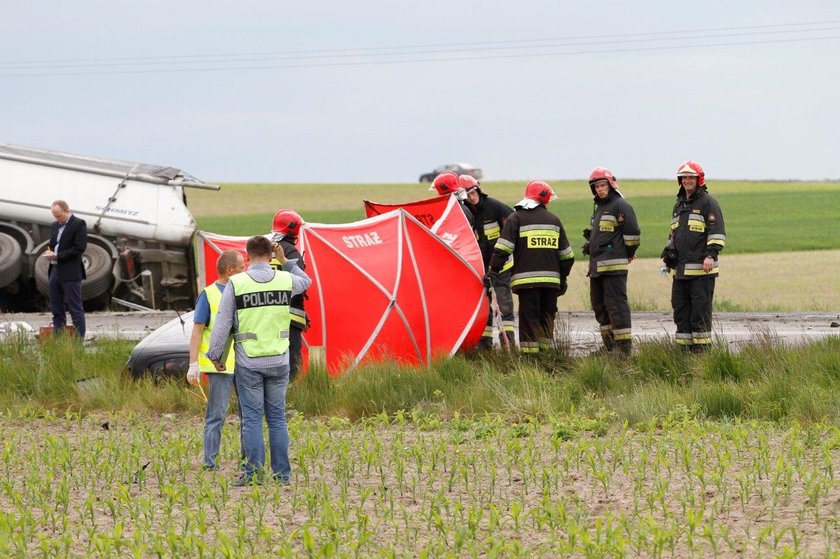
(765, 380)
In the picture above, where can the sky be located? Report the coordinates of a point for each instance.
(374, 91)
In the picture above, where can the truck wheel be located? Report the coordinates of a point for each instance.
(97, 263)
(42, 269)
(10, 262)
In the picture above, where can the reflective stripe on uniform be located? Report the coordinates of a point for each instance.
(716, 240)
(683, 338)
(701, 337)
(697, 270)
(298, 316)
(622, 334)
(491, 230)
(526, 278)
(505, 246)
(612, 265)
(567, 253)
(632, 240)
(529, 347)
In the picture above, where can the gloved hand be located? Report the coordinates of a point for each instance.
(585, 248)
(489, 278)
(193, 374)
(669, 257)
(586, 233)
(564, 285)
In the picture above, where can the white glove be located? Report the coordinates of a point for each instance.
(193, 374)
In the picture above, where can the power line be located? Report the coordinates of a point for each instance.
(321, 58)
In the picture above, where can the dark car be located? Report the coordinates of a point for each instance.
(165, 352)
(460, 168)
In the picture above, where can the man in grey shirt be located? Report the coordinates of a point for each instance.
(254, 311)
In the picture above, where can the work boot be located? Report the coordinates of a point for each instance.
(699, 349)
(484, 344)
(625, 347)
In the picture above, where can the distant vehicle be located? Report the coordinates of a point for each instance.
(460, 168)
(165, 352)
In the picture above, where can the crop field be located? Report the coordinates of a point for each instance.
(407, 485)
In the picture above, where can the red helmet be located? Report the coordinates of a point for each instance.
(540, 192)
(602, 173)
(692, 169)
(468, 182)
(287, 223)
(446, 183)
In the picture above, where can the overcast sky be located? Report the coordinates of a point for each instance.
(525, 89)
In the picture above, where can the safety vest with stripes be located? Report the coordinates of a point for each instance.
(214, 297)
(262, 312)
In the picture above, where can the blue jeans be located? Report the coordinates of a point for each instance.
(263, 394)
(214, 418)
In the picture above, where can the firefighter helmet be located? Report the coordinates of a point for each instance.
(602, 173)
(446, 183)
(468, 182)
(540, 192)
(692, 169)
(287, 223)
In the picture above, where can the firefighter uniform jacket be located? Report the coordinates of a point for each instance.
(541, 251)
(299, 319)
(489, 217)
(614, 238)
(697, 231)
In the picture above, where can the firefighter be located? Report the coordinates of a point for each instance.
(230, 262)
(286, 226)
(697, 236)
(611, 241)
(489, 216)
(542, 260)
(448, 183)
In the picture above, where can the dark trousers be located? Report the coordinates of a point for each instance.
(608, 295)
(295, 342)
(66, 296)
(504, 297)
(537, 311)
(691, 300)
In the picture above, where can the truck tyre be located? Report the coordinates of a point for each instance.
(10, 262)
(97, 264)
(98, 267)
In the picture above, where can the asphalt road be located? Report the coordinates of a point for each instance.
(580, 327)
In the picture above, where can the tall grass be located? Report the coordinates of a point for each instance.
(764, 380)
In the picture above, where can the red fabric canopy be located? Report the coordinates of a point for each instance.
(383, 288)
(445, 217)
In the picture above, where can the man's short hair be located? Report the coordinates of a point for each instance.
(227, 259)
(64, 206)
(258, 246)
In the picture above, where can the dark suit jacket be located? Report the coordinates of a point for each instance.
(73, 244)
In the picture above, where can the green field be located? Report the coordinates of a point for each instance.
(760, 217)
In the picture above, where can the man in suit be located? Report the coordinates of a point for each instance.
(68, 241)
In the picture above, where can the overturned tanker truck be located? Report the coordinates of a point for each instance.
(140, 232)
